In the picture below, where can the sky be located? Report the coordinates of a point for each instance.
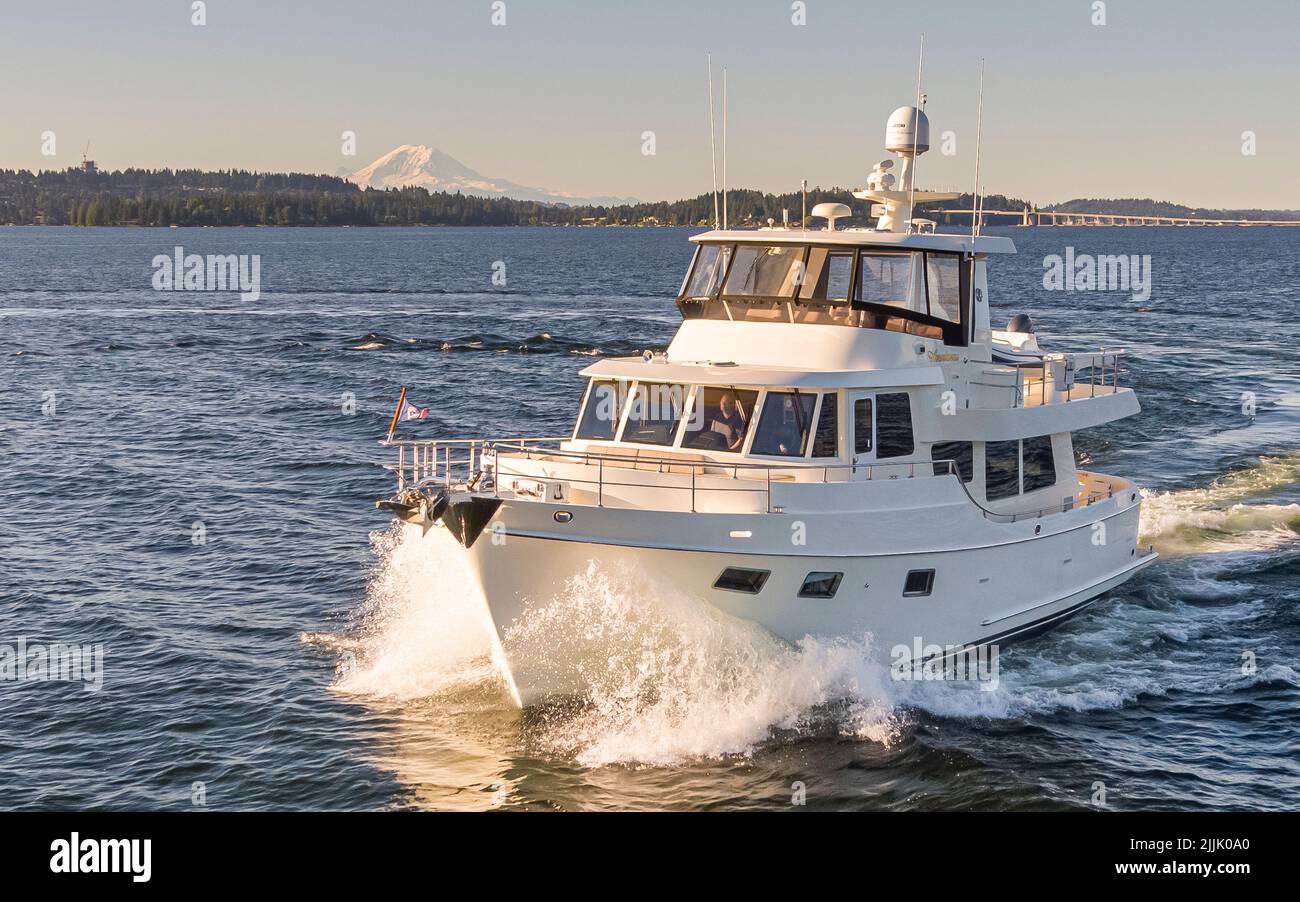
(1153, 103)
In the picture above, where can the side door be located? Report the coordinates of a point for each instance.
(862, 431)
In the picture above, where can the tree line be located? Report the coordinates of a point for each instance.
(188, 197)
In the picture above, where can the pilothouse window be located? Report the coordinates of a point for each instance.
(885, 279)
(720, 419)
(827, 441)
(829, 276)
(765, 272)
(653, 413)
(943, 278)
(603, 410)
(710, 264)
(784, 424)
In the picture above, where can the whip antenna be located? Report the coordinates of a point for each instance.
(977, 206)
(713, 149)
(916, 123)
(724, 147)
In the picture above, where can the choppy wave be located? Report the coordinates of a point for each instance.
(1231, 513)
(539, 343)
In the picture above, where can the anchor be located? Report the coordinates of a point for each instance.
(467, 517)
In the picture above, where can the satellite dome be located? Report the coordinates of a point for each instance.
(907, 131)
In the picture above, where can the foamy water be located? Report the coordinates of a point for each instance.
(1226, 514)
(422, 630)
(671, 679)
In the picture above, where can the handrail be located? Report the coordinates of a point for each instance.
(432, 461)
(1060, 370)
(429, 467)
(1016, 516)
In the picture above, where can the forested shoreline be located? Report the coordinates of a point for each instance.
(191, 197)
(136, 197)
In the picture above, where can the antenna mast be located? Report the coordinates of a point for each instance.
(977, 207)
(916, 122)
(724, 147)
(713, 150)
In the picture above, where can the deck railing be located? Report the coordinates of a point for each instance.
(1058, 379)
(483, 465)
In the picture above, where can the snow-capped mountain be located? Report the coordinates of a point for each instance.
(424, 167)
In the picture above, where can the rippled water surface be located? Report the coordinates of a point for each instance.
(303, 656)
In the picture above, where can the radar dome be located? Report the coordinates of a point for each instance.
(907, 131)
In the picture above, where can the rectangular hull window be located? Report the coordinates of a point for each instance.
(737, 579)
(1040, 472)
(962, 453)
(919, 582)
(894, 426)
(820, 585)
(1001, 470)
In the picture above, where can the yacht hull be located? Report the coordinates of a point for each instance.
(1003, 586)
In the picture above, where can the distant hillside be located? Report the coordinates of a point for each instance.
(191, 197)
(1145, 206)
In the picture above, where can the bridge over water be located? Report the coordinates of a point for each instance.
(1030, 217)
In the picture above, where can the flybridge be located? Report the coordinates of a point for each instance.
(900, 277)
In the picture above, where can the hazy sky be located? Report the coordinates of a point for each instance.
(1153, 103)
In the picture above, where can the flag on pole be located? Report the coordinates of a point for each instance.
(406, 411)
(393, 425)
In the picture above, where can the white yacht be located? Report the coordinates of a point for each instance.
(836, 443)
